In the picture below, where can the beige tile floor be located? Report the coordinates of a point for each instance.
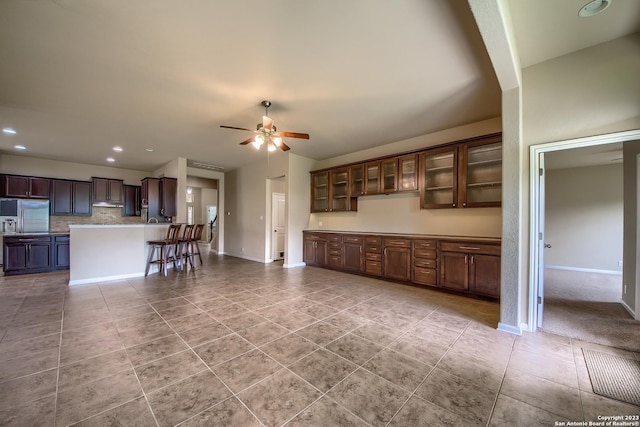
(240, 343)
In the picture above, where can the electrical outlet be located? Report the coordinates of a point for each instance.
(624, 289)
(241, 249)
(319, 223)
(620, 263)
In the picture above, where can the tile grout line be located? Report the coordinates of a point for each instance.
(55, 406)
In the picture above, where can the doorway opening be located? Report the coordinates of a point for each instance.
(573, 267)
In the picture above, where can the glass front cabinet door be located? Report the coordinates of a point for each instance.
(481, 180)
(320, 191)
(439, 172)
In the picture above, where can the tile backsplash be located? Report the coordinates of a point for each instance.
(100, 215)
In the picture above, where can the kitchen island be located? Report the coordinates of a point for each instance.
(110, 252)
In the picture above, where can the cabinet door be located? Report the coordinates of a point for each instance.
(356, 174)
(484, 275)
(152, 188)
(61, 252)
(16, 186)
(144, 193)
(115, 191)
(396, 262)
(439, 178)
(131, 206)
(408, 172)
(168, 187)
(320, 192)
(39, 255)
(372, 178)
(81, 198)
(389, 182)
(481, 175)
(321, 253)
(339, 190)
(39, 188)
(15, 256)
(353, 256)
(61, 197)
(100, 190)
(454, 270)
(309, 251)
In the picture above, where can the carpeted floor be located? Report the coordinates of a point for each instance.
(582, 306)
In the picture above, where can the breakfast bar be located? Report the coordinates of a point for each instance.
(110, 252)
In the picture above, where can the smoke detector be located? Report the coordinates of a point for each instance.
(593, 8)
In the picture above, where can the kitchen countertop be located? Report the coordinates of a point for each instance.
(47, 233)
(141, 225)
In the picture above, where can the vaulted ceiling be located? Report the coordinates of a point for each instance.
(78, 77)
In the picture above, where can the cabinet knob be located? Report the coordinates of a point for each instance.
(454, 205)
(464, 205)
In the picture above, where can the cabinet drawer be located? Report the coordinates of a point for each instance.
(352, 239)
(334, 244)
(375, 241)
(28, 239)
(373, 257)
(334, 238)
(425, 276)
(373, 249)
(313, 237)
(424, 253)
(403, 243)
(373, 267)
(427, 263)
(470, 247)
(335, 252)
(424, 244)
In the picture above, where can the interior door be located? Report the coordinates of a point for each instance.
(541, 245)
(279, 225)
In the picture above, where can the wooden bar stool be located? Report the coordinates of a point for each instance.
(167, 248)
(195, 238)
(184, 254)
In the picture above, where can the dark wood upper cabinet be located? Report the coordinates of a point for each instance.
(70, 197)
(320, 191)
(168, 191)
(107, 190)
(408, 172)
(356, 176)
(463, 176)
(439, 178)
(372, 178)
(25, 187)
(389, 176)
(131, 206)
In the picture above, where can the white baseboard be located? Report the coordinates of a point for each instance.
(584, 270)
(298, 264)
(510, 329)
(104, 279)
(629, 310)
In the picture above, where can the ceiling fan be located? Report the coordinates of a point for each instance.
(266, 132)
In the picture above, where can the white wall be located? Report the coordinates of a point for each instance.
(22, 165)
(584, 217)
(297, 204)
(245, 209)
(630, 283)
(590, 92)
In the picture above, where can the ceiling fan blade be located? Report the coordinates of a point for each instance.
(284, 147)
(293, 135)
(267, 123)
(247, 141)
(233, 127)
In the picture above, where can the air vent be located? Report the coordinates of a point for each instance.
(200, 165)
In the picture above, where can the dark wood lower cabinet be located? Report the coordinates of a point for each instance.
(353, 253)
(396, 258)
(470, 267)
(35, 254)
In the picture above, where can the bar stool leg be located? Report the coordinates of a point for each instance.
(152, 252)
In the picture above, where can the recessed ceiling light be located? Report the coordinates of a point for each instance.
(117, 148)
(111, 159)
(148, 149)
(593, 8)
(9, 131)
(19, 147)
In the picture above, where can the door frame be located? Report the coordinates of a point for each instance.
(274, 240)
(535, 152)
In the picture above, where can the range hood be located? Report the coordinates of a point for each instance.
(107, 205)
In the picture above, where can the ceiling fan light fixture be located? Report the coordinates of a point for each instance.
(271, 146)
(258, 141)
(277, 141)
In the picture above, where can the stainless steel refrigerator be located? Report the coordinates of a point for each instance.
(33, 216)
